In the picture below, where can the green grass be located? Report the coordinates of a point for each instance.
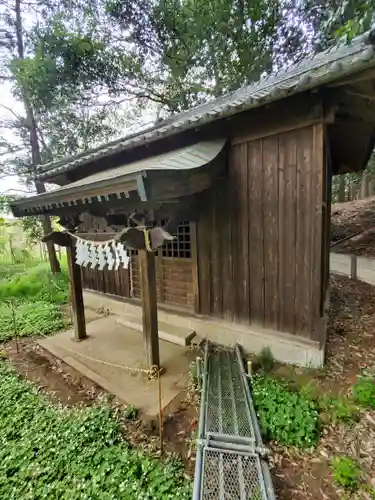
(36, 284)
(364, 391)
(346, 473)
(69, 454)
(8, 270)
(30, 319)
(35, 295)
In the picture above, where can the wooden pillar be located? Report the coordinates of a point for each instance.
(76, 295)
(149, 307)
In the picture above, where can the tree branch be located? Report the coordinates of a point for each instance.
(19, 118)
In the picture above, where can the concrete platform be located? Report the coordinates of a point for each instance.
(115, 344)
(170, 333)
(253, 338)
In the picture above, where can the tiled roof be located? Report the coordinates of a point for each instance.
(314, 71)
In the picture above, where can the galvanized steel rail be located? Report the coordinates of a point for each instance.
(231, 458)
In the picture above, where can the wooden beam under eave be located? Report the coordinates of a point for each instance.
(149, 307)
(76, 295)
(277, 120)
(362, 76)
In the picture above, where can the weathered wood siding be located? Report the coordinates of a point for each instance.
(260, 236)
(174, 281)
(176, 278)
(111, 282)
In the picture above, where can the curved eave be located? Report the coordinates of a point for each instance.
(120, 183)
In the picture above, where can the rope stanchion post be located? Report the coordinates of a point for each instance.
(160, 415)
(14, 322)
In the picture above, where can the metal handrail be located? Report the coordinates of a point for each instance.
(201, 427)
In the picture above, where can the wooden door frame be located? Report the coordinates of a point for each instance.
(159, 266)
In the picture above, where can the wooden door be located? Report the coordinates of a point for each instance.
(176, 270)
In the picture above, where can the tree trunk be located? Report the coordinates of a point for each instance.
(342, 189)
(364, 186)
(34, 141)
(371, 187)
(353, 191)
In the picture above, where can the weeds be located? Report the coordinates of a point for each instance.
(364, 392)
(131, 412)
(9, 270)
(54, 453)
(30, 318)
(370, 490)
(266, 360)
(333, 409)
(37, 284)
(34, 294)
(285, 416)
(338, 409)
(346, 473)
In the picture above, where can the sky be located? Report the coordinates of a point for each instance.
(10, 184)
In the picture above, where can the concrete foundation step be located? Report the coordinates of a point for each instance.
(170, 333)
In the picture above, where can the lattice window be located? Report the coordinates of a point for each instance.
(180, 247)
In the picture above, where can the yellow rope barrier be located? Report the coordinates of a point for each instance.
(151, 372)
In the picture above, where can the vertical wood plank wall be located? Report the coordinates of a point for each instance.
(174, 281)
(111, 282)
(176, 278)
(260, 237)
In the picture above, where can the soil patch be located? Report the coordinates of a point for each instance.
(64, 385)
(60, 383)
(350, 351)
(349, 219)
(180, 424)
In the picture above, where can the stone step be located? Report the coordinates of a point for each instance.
(170, 333)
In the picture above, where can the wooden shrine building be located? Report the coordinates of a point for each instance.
(244, 184)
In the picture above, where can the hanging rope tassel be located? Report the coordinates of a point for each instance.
(146, 232)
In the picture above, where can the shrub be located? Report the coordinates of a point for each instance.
(285, 416)
(364, 391)
(346, 473)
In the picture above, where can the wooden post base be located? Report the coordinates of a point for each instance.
(149, 307)
(76, 296)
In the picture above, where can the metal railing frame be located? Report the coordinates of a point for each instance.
(226, 444)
